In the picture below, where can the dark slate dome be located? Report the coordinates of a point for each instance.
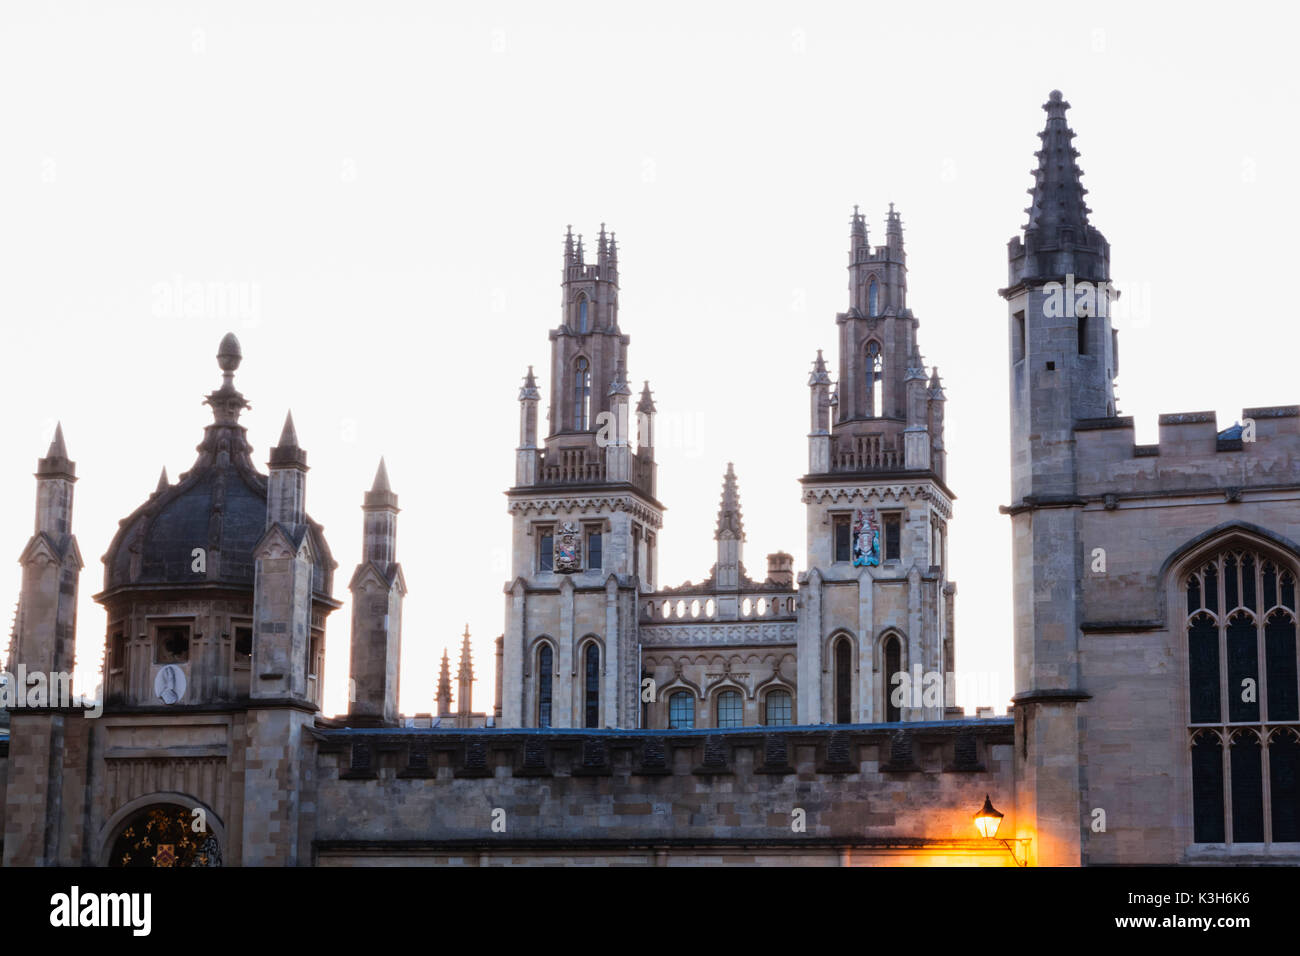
(218, 505)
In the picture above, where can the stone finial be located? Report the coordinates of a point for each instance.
(819, 374)
(646, 404)
(530, 392)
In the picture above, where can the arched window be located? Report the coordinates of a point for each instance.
(893, 665)
(591, 694)
(545, 673)
(843, 681)
(582, 394)
(875, 380)
(681, 711)
(163, 835)
(731, 709)
(778, 711)
(582, 315)
(873, 298)
(1241, 674)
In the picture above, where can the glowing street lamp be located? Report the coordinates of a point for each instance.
(988, 819)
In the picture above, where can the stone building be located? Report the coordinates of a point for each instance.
(729, 720)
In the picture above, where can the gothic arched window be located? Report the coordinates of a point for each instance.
(873, 298)
(591, 696)
(731, 709)
(1241, 674)
(778, 711)
(843, 681)
(582, 315)
(582, 394)
(545, 673)
(681, 711)
(893, 665)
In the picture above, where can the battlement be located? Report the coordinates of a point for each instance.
(1193, 454)
(878, 786)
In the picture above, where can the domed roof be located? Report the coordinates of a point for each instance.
(219, 505)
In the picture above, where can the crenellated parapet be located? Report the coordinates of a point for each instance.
(877, 789)
(1260, 453)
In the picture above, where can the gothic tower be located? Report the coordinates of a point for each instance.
(876, 605)
(1062, 363)
(585, 517)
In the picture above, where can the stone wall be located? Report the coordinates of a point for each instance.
(884, 794)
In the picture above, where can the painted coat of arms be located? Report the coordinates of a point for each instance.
(568, 548)
(866, 539)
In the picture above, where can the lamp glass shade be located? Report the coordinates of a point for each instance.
(988, 819)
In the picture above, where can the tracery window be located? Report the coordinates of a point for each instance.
(1243, 721)
(582, 315)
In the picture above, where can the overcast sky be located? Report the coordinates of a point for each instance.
(384, 188)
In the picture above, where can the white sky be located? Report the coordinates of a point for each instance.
(388, 184)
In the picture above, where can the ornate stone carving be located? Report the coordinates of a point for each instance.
(568, 548)
(866, 539)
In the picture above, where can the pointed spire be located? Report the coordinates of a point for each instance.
(530, 392)
(466, 671)
(1058, 211)
(163, 483)
(730, 522)
(57, 448)
(819, 374)
(381, 495)
(288, 435)
(444, 685)
(568, 246)
(613, 249)
(381, 478)
(603, 248)
(56, 462)
(287, 452)
(646, 404)
(582, 260)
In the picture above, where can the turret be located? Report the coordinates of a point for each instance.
(377, 588)
(819, 436)
(526, 454)
(287, 485)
